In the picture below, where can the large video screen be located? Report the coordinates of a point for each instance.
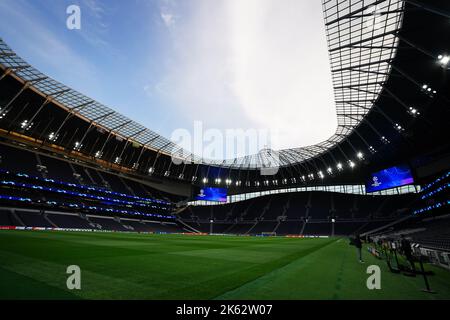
(211, 194)
(389, 178)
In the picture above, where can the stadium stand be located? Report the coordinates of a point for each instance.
(292, 214)
(48, 183)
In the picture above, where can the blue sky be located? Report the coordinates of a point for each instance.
(254, 64)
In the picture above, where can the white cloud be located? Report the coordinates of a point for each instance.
(168, 18)
(255, 64)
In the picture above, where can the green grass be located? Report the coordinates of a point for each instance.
(137, 266)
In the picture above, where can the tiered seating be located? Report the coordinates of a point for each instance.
(436, 235)
(320, 205)
(322, 229)
(58, 169)
(352, 213)
(161, 227)
(256, 208)
(220, 212)
(137, 188)
(237, 209)
(33, 219)
(85, 179)
(264, 226)
(217, 227)
(98, 181)
(290, 227)
(368, 205)
(12, 158)
(7, 219)
(276, 207)
(60, 197)
(343, 205)
(69, 221)
(114, 182)
(297, 205)
(348, 227)
(107, 223)
(240, 228)
(137, 226)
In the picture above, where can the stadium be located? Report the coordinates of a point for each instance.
(363, 215)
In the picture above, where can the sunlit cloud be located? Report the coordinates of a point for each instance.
(255, 64)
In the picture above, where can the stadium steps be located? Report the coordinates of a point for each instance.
(49, 221)
(76, 175)
(127, 186)
(187, 227)
(88, 174)
(252, 227)
(16, 217)
(304, 225)
(104, 183)
(276, 227)
(42, 169)
(92, 224)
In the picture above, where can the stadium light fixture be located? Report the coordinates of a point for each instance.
(320, 174)
(339, 166)
(351, 164)
(117, 160)
(167, 173)
(218, 180)
(360, 155)
(413, 111)
(98, 154)
(444, 59)
(3, 112)
(205, 180)
(26, 125)
(151, 170)
(398, 127)
(77, 145)
(52, 136)
(428, 90)
(333, 220)
(385, 140)
(330, 170)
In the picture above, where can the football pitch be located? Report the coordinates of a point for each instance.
(33, 265)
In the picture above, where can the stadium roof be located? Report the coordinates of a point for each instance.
(362, 42)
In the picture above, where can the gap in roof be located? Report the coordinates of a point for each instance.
(259, 64)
